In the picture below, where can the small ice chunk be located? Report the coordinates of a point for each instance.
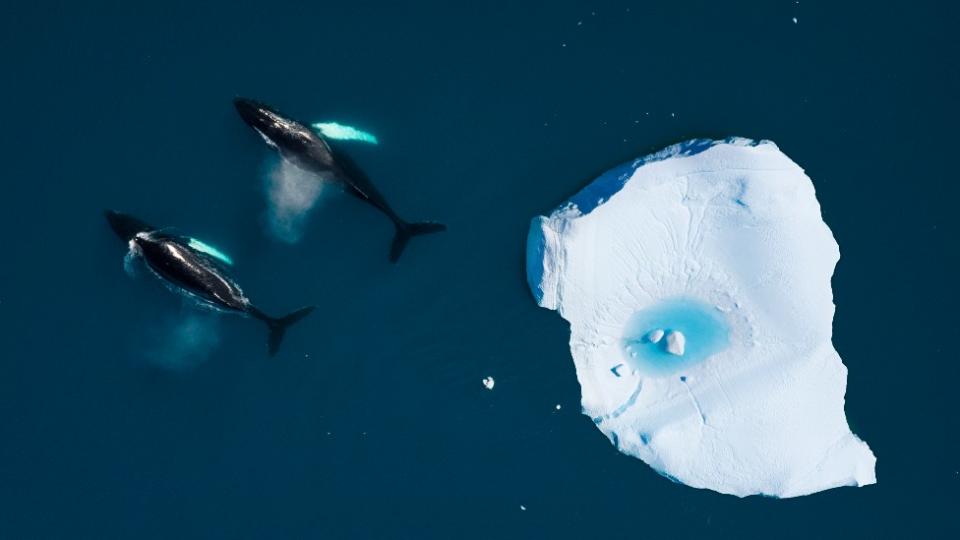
(655, 335)
(558, 406)
(489, 382)
(676, 342)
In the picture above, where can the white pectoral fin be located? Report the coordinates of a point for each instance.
(210, 250)
(341, 132)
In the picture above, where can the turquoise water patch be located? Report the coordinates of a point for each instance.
(704, 328)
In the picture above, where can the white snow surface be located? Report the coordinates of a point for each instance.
(734, 224)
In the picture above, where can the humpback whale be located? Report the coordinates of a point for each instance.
(196, 270)
(305, 148)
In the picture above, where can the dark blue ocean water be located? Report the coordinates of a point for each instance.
(372, 421)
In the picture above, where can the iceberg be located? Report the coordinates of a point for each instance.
(696, 282)
(676, 342)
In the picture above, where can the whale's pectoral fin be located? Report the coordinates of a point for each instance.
(406, 231)
(343, 132)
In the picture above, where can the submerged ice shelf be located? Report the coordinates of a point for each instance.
(696, 282)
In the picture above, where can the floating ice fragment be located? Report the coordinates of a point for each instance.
(489, 382)
(655, 335)
(722, 241)
(676, 342)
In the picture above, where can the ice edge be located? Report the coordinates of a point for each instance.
(543, 236)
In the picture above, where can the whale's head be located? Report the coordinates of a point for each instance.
(254, 113)
(284, 134)
(124, 225)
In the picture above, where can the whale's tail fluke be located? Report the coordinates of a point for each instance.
(405, 231)
(278, 326)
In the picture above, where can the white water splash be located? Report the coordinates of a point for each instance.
(292, 193)
(130, 261)
(183, 342)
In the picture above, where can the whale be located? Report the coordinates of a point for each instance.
(198, 271)
(305, 148)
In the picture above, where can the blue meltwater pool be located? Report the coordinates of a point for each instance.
(704, 329)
